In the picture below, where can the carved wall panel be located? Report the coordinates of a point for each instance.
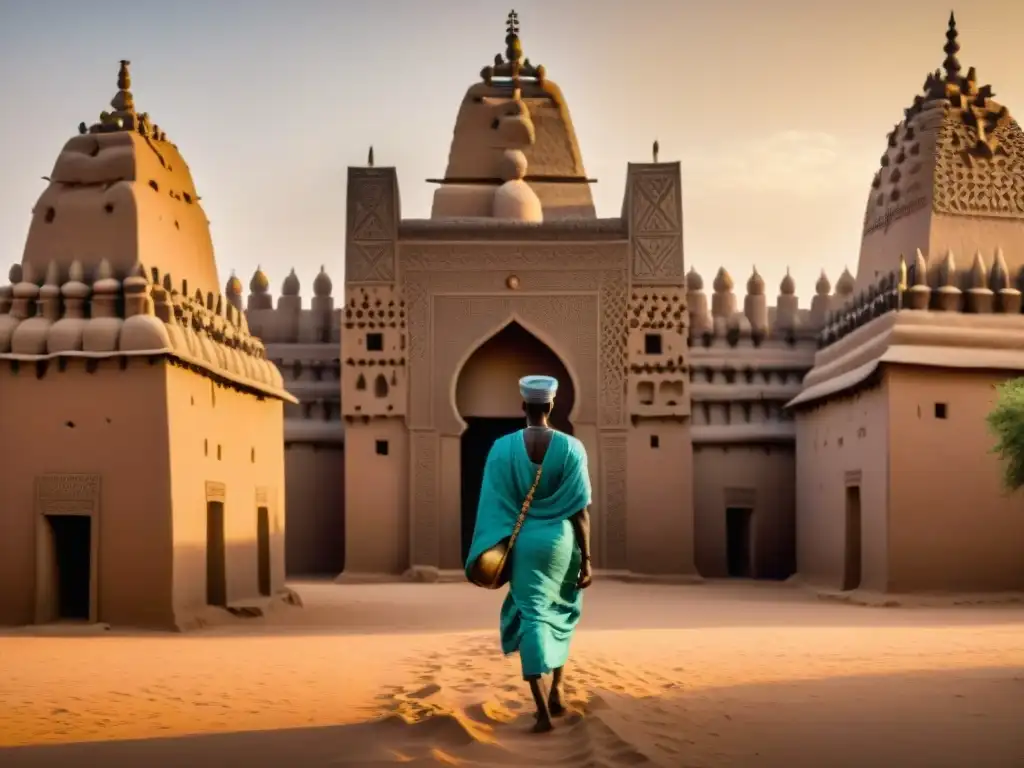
(658, 352)
(484, 271)
(613, 499)
(424, 479)
(656, 223)
(67, 494)
(374, 348)
(372, 225)
(967, 183)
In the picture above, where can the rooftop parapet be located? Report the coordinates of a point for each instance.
(142, 313)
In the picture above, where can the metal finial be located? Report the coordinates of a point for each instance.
(512, 23)
(655, 148)
(369, 157)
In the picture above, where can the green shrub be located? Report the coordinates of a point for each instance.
(1007, 423)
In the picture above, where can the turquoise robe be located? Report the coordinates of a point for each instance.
(543, 604)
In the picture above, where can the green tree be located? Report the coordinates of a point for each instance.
(1007, 422)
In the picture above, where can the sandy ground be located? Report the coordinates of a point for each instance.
(375, 675)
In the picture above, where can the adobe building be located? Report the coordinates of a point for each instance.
(146, 487)
(699, 468)
(897, 486)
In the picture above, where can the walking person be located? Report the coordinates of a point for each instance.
(533, 532)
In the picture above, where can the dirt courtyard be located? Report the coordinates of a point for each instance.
(718, 674)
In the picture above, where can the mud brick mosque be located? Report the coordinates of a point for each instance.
(844, 441)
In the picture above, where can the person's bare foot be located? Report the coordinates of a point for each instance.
(555, 705)
(543, 725)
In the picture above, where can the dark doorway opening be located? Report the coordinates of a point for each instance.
(216, 557)
(263, 550)
(72, 550)
(477, 440)
(738, 530)
(853, 553)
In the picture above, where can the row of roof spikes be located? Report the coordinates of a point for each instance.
(259, 285)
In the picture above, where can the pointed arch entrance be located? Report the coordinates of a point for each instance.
(488, 402)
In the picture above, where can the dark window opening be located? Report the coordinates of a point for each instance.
(51, 214)
(375, 342)
(216, 555)
(495, 124)
(940, 410)
(652, 344)
(655, 442)
(263, 576)
(382, 447)
(154, 185)
(109, 207)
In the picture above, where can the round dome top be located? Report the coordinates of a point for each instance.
(845, 284)
(513, 165)
(322, 285)
(290, 286)
(788, 286)
(259, 284)
(755, 285)
(516, 201)
(694, 282)
(823, 287)
(233, 286)
(723, 281)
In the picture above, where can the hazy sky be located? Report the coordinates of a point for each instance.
(778, 109)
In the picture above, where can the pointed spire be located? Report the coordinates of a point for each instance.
(655, 148)
(369, 157)
(951, 48)
(123, 100)
(513, 48)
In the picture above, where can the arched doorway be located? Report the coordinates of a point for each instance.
(488, 400)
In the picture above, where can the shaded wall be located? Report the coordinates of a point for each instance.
(760, 478)
(952, 525)
(231, 440)
(377, 500)
(315, 479)
(659, 494)
(114, 423)
(843, 442)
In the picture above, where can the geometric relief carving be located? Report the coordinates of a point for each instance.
(370, 234)
(657, 258)
(656, 224)
(469, 257)
(613, 497)
(968, 184)
(424, 489)
(62, 494)
(614, 335)
(370, 262)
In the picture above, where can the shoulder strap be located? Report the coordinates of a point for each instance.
(524, 510)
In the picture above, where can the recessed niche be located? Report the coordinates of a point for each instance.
(652, 344)
(940, 411)
(51, 214)
(375, 342)
(380, 386)
(655, 442)
(252, 455)
(361, 382)
(109, 207)
(153, 185)
(218, 452)
(382, 447)
(645, 392)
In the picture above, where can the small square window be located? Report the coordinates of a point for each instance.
(375, 342)
(940, 410)
(655, 442)
(652, 344)
(382, 447)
